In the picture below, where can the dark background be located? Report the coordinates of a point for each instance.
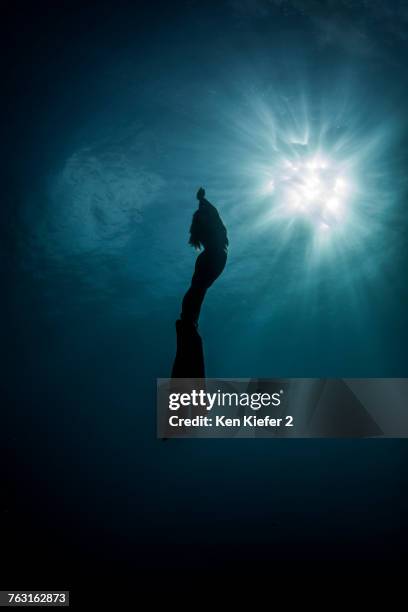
(113, 114)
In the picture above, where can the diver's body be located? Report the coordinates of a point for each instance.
(208, 231)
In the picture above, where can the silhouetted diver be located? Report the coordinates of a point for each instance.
(208, 231)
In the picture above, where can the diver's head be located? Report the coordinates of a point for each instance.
(201, 193)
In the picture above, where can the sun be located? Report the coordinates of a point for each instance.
(314, 188)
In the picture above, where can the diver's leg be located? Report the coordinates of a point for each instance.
(193, 299)
(215, 266)
(207, 269)
(191, 306)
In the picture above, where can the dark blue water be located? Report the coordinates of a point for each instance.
(116, 116)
